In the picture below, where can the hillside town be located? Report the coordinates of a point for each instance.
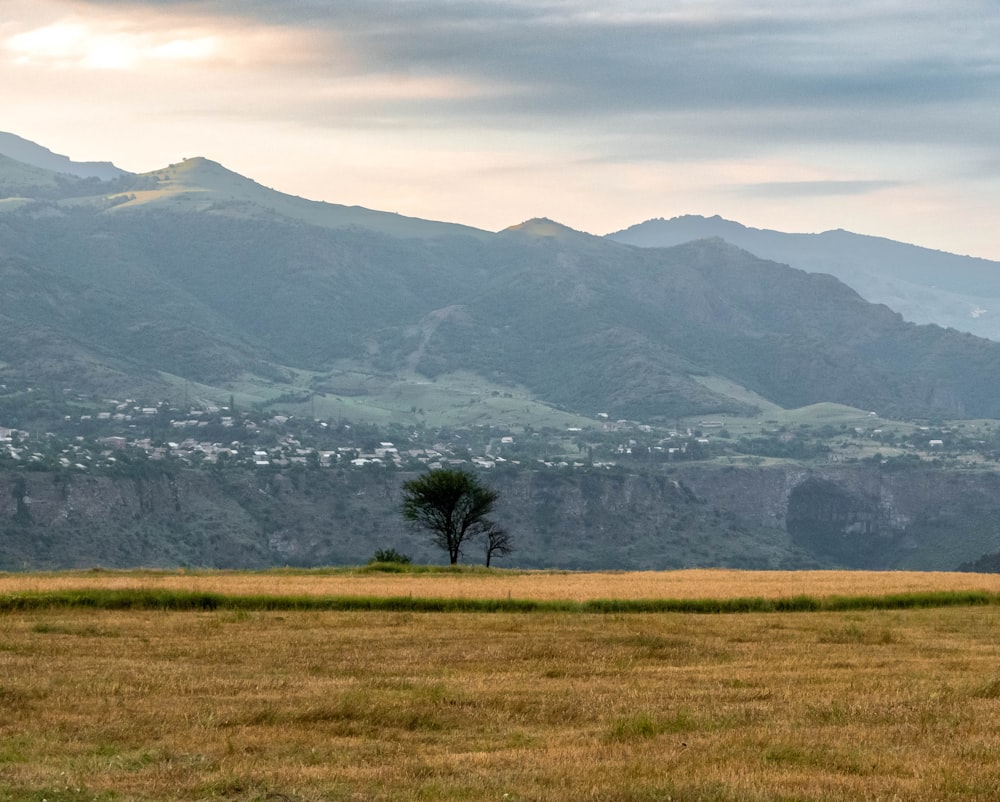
(116, 434)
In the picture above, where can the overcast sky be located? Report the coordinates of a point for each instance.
(881, 117)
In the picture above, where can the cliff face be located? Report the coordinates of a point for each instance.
(52, 520)
(782, 517)
(864, 516)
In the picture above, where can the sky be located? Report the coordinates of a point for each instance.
(880, 117)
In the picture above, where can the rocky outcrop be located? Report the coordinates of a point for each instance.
(866, 515)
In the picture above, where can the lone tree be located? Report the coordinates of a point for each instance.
(452, 505)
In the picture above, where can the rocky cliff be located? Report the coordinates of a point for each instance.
(865, 516)
(856, 516)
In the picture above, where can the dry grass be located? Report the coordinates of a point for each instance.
(541, 585)
(549, 707)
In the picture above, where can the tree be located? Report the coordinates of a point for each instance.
(499, 542)
(452, 505)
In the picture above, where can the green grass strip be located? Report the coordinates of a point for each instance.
(141, 599)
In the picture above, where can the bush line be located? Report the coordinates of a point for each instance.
(199, 601)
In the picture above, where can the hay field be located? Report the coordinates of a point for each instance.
(113, 706)
(533, 585)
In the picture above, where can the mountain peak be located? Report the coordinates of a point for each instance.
(685, 228)
(544, 228)
(201, 184)
(201, 180)
(199, 173)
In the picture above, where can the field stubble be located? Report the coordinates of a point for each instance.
(156, 705)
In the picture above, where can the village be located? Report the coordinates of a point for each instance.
(116, 436)
(129, 430)
(118, 433)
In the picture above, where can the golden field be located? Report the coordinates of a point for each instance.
(534, 585)
(760, 707)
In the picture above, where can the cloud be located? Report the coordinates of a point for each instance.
(82, 45)
(768, 104)
(795, 189)
(582, 63)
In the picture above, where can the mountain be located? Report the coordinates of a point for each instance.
(195, 282)
(194, 274)
(591, 324)
(925, 286)
(27, 152)
(202, 185)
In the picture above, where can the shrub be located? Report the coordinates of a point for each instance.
(389, 556)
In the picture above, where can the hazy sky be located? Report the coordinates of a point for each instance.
(881, 117)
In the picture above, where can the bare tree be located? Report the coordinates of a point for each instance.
(499, 542)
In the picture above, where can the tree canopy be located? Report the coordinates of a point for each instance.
(452, 505)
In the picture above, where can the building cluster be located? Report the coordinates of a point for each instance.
(114, 434)
(128, 430)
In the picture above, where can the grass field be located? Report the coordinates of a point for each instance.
(532, 585)
(760, 707)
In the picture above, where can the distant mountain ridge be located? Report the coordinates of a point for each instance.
(209, 186)
(27, 152)
(924, 285)
(193, 273)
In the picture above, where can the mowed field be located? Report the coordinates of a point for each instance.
(312, 705)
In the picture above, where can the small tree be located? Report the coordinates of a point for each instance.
(452, 505)
(499, 542)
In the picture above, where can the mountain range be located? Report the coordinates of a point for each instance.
(192, 276)
(924, 285)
